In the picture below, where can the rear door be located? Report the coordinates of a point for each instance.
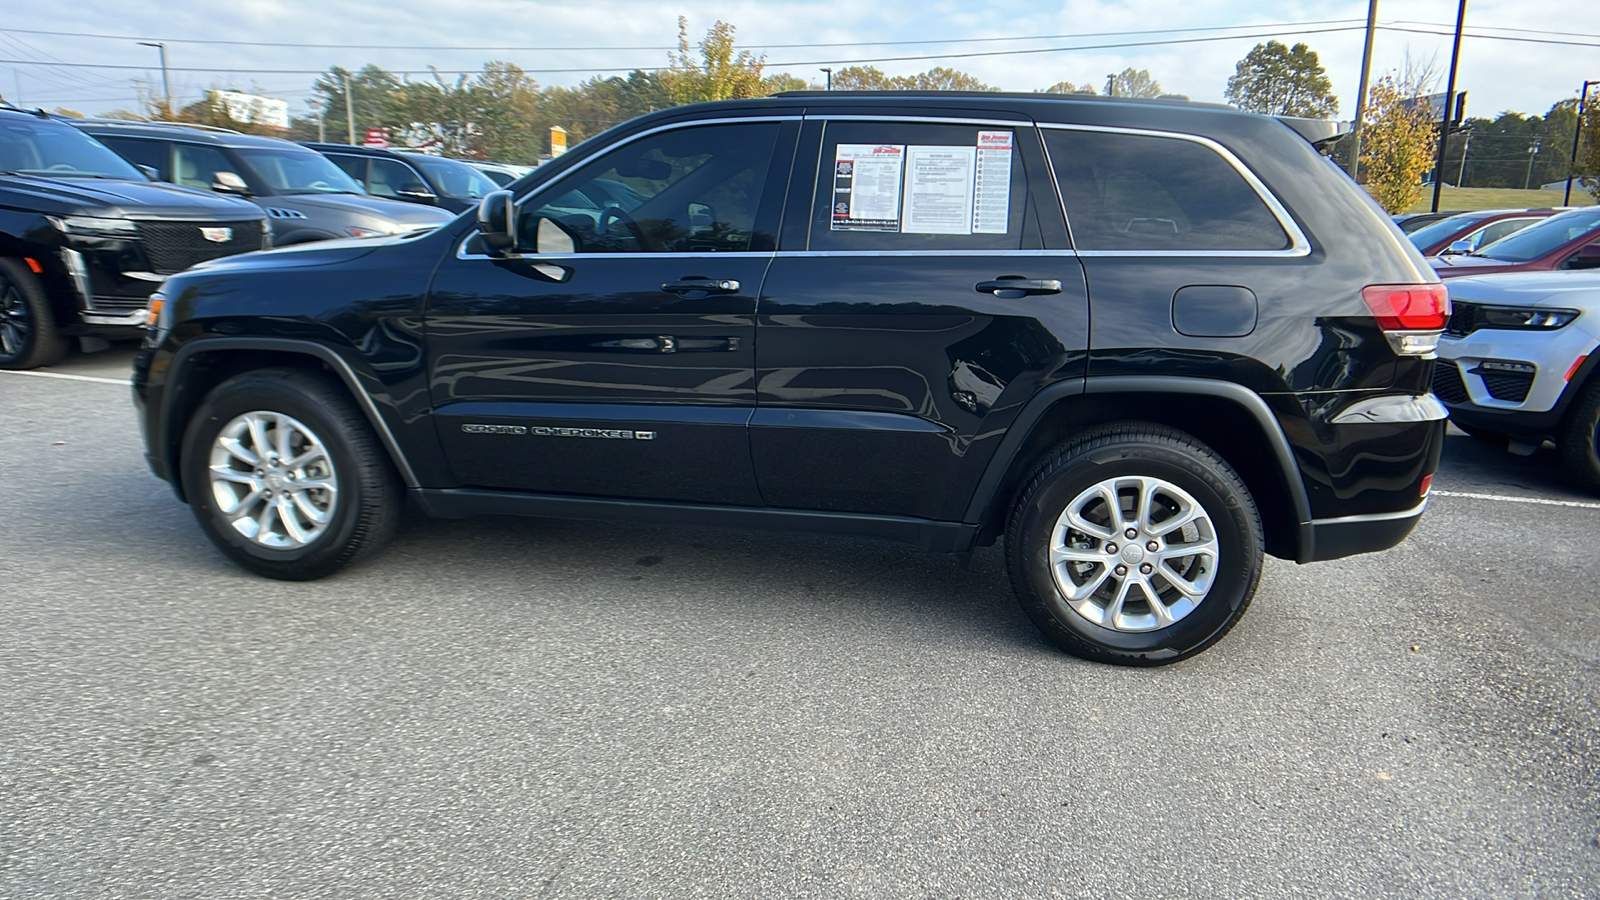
(909, 312)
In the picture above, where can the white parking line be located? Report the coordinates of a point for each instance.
(1504, 499)
(63, 375)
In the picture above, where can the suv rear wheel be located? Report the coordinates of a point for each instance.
(285, 476)
(1134, 544)
(28, 335)
(1580, 442)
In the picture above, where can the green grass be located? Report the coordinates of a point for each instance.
(1499, 198)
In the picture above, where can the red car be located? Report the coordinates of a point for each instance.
(1569, 240)
(1476, 229)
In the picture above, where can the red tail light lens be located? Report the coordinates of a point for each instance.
(1408, 307)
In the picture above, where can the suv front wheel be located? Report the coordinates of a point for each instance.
(1134, 544)
(285, 476)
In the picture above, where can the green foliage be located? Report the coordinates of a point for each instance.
(721, 72)
(1588, 168)
(1282, 81)
(1067, 87)
(1131, 82)
(1396, 143)
(869, 78)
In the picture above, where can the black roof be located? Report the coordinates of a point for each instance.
(178, 131)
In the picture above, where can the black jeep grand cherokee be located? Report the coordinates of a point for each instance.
(1146, 342)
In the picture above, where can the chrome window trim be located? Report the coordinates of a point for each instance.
(1071, 254)
(937, 120)
(461, 248)
(1299, 246)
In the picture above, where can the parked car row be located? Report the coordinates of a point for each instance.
(95, 213)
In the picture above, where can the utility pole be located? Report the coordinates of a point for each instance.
(1577, 132)
(1361, 93)
(1449, 106)
(322, 132)
(350, 109)
(1111, 85)
(1527, 182)
(1461, 176)
(166, 83)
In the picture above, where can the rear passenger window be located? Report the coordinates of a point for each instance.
(141, 153)
(919, 186)
(1144, 192)
(354, 166)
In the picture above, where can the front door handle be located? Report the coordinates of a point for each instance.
(1012, 287)
(701, 286)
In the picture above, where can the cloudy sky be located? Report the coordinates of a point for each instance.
(1520, 55)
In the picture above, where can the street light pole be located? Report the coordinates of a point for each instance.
(1449, 105)
(1361, 93)
(830, 77)
(166, 83)
(1533, 151)
(1577, 132)
(1461, 176)
(349, 112)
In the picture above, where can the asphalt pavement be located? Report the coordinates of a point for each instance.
(539, 709)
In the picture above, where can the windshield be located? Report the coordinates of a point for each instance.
(299, 172)
(454, 179)
(59, 151)
(1434, 232)
(1541, 238)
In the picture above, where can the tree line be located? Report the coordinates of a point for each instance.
(502, 113)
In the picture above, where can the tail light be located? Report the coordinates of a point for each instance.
(1412, 316)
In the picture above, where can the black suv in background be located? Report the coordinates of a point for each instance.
(414, 177)
(85, 237)
(307, 197)
(1145, 342)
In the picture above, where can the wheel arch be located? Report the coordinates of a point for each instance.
(1230, 418)
(199, 366)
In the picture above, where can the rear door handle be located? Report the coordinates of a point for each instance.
(695, 284)
(1011, 288)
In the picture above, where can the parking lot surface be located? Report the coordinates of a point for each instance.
(533, 708)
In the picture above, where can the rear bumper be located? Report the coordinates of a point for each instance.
(1350, 535)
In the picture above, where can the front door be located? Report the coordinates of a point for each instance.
(624, 368)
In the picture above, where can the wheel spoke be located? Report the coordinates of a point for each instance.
(1059, 555)
(1206, 548)
(309, 509)
(1162, 613)
(1114, 608)
(1191, 589)
(291, 524)
(239, 451)
(1078, 522)
(1081, 592)
(258, 435)
(285, 435)
(224, 473)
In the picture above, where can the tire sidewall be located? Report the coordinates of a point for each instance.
(43, 345)
(251, 394)
(1238, 538)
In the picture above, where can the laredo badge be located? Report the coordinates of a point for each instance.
(615, 434)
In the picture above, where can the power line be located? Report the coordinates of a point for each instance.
(962, 40)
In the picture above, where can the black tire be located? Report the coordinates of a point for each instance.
(1179, 465)
(362, 510)
(29, 337)
(1580, 440)
(1488, 436)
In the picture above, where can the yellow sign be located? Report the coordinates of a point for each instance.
(558, 140)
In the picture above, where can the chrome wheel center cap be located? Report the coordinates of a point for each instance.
(1133, 554)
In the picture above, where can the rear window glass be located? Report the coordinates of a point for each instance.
(1145, 192)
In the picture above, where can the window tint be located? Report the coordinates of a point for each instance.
(690, 190)
(354, 166)
(455, 179)
(918, 186)
(1499, 230)
(197, 166)
(1545, 237)
(59, 151)
(1140, 192)
(387, 178)
(142, 153)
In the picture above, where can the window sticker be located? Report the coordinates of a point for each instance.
(991, 204)
(939, 185)
(866, 187)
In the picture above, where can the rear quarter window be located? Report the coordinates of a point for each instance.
(1146, 192)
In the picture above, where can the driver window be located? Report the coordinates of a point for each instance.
(690, 190)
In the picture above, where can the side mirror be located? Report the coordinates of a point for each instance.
(225, 182)
(1457, 248)
(416, 192)
(1588, 257)
(497, 222)
(150, 172)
